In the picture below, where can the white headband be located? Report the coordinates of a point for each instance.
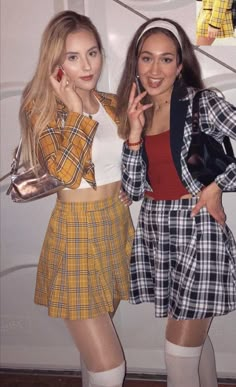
(161, 24)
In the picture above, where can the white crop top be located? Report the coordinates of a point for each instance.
(106, 150)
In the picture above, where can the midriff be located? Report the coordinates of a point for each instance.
(89, 194)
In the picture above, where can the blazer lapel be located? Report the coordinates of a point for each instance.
(178, 112)
(108, 101)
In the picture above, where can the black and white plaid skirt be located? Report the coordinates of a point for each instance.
(185, 265)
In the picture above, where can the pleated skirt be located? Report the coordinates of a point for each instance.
(84, 262)
(185, 265)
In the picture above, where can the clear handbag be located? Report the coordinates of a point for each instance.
(30, 184)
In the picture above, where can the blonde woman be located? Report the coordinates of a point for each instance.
(214, 21)
(71, 129)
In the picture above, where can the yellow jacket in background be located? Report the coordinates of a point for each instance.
(218, 14)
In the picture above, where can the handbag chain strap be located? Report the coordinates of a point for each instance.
(15, 165)
(195, 123)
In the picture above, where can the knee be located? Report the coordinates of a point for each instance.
(110, 378)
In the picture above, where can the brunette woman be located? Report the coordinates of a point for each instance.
(184, 255)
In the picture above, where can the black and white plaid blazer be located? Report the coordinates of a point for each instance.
(217, 118)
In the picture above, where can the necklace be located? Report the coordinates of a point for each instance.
(158, 107)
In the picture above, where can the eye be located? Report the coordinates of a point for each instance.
(167, 60)
(93, 53)
(146, 58)
(72, 58)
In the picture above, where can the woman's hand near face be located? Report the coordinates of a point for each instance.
(65, 91)
(135, 114)
(211, 198)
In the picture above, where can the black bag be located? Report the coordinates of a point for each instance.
(207, 158)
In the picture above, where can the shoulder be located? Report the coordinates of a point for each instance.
(206, 94)
(106, 98)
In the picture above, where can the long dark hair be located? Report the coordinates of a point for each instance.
(190, 73)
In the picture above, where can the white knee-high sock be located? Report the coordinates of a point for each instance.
(110, 378)
(84, 373)
(182, 365)
(207, 366)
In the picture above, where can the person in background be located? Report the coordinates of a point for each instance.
(214, 21)
(184, 254)
(71, 129)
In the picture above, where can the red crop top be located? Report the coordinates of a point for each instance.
(162, 173)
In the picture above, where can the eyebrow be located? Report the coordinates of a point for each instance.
(76, 52)
(163, 53)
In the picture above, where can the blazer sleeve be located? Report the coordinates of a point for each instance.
(218, 119)
(134, 172)
(218, 13)
(66, 152)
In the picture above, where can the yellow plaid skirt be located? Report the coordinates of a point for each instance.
(226, 30)
(84, 262)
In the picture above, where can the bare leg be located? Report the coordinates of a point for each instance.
(84, 371)
(184, 340)
(187, 333)
(97, 341)
(204, 41)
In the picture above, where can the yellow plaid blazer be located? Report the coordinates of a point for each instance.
(218, 10)
(65, 145)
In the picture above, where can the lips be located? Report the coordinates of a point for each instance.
(153, 82)
(87, 78)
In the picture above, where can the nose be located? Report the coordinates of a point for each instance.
(86, 66)
(155, 69)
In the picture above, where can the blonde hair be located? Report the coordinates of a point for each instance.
(38, 104)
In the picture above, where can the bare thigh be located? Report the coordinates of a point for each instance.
(187, 333)
(97, 342)
(204, 41)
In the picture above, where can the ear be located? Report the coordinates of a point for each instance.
(179, 69)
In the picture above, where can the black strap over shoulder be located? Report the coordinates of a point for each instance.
(207, 158)
(195, 123)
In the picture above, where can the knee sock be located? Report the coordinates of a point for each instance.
(182, 365)
(84, 373)
(110, 378)
(207, 366)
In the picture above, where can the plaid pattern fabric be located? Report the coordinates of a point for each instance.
(234, 13)
(84, 260)
(217, 118)
(65, 145)
(186, 266)
(218, 14)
